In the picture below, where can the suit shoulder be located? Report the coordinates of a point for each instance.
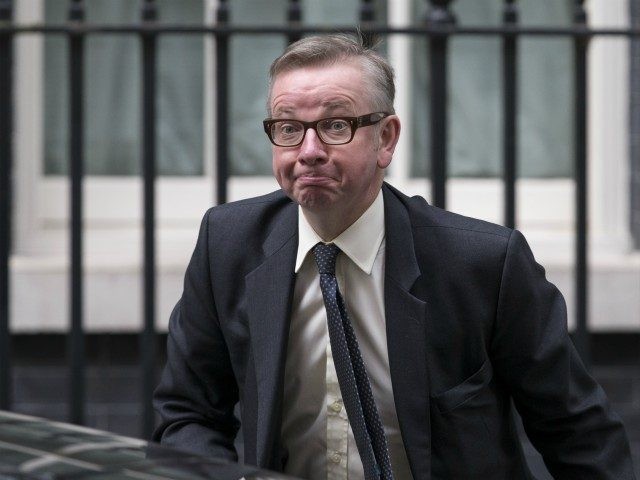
(437, 218)
(249, 207)
(248, 226)
(425, 216)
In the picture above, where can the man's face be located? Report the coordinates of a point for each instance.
(330, 178)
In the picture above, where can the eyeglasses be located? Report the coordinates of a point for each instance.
(285, 132)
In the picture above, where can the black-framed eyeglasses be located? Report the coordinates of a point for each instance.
(288, 132)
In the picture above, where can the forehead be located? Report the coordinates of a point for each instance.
(332, 87)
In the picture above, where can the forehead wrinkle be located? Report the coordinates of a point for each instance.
(295, 96)
(328, 107)
(334, 103)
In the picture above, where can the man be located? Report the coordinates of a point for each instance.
(340, 293)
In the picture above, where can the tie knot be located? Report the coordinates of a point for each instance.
(326, 257)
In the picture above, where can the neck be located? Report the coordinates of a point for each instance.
(328, 224)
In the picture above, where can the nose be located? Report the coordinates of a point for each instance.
(312, 150)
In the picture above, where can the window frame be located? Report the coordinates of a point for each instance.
(113, 213)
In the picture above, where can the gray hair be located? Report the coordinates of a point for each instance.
(325, 50)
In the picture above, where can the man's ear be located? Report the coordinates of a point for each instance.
(388, 135)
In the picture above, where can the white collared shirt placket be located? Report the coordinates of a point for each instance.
(337, 425)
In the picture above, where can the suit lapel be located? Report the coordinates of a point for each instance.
(406, 336)
(269, 293)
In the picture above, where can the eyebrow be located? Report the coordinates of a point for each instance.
(336, 105)
(282, 111)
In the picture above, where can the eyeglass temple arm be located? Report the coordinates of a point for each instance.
(372, 118)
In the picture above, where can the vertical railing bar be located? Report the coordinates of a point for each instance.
(222, 104)
(634, 125)
(580, 108)
(367, 17)
(438, 15)
(76, 125)
(634, 128)
(510, 101)
(148, 337)
(6, 160)
(294, 19)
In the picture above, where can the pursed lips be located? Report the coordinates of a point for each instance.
(313, 178)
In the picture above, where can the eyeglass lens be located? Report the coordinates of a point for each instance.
(330, 130)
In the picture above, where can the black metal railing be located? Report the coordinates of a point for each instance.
(6, 155)
(438, 26)
(76, 174)
(149, 90)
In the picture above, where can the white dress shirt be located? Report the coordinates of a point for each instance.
(315, 428)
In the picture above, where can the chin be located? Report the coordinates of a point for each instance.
(313, 200)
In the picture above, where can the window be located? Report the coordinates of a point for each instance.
(186, 120)
(186, 65)
(112, 92)
(475, 80)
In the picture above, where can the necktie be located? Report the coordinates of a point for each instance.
(350, 369)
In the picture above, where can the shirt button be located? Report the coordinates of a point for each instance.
(336, 457)
(336, 407)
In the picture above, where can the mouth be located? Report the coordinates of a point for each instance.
(311, 179)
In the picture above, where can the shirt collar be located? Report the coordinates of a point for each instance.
(360, 242)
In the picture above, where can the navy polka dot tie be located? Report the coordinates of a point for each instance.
(352, 375)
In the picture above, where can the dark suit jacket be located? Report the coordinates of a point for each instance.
(472, 324)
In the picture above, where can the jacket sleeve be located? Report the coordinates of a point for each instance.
(198, 391)
(565, 412)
